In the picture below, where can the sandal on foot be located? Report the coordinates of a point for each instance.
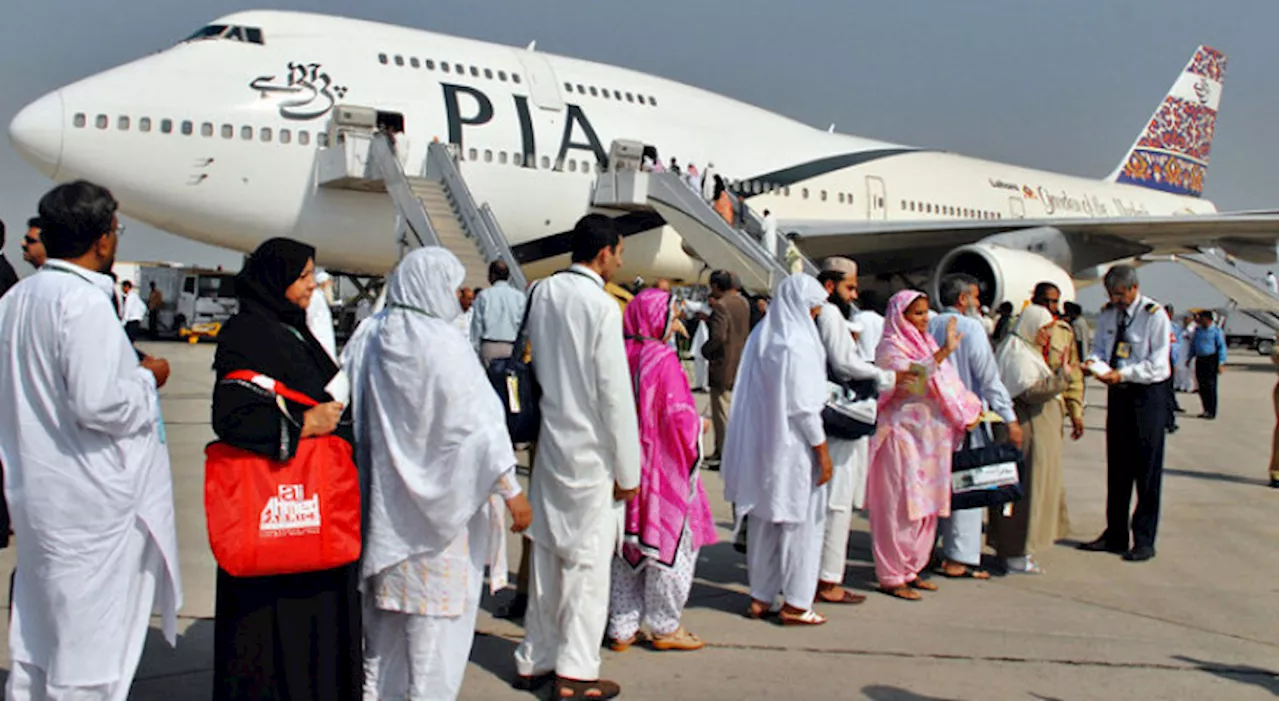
(578, 689)
(922, 584)
(847, 597)
(681, 639)
(807, 618)
(532, 682)
(761, 614)
(901, 591)
(965, 571)
(623, 645)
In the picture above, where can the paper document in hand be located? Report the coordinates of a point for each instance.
(1097, 368)
(919, 381)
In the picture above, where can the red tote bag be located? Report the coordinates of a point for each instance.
(267, 517)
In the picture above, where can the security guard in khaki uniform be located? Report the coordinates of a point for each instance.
(1063, 351)
(1131, 356)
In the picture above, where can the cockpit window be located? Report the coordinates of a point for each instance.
(250, 35)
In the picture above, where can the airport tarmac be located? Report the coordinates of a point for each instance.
(1198, 622)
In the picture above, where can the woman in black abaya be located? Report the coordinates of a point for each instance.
(293, 637)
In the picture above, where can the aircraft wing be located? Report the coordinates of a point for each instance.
(887, 247)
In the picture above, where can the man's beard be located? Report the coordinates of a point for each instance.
(846, 308)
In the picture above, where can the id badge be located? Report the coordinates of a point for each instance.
(513, 394)
(1122, 349)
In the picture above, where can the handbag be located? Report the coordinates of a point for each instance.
(986, 476)
(850, 411)
(513, 379)
(267, 517)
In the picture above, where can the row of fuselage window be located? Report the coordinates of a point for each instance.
(501, 76)
(303, 138)
(206, 129)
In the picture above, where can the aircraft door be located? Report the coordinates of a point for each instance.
(543, 88)
(1017, 208)
(876, 199)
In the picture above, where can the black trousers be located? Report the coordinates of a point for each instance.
(133, 330)
(1207, 377)
(1136, 419)
(1171, 419)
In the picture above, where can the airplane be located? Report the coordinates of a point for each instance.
(216, 138)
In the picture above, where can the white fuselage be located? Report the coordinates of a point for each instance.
(231, 181)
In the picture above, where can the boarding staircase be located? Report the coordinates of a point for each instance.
(433, 208)
(624, 187)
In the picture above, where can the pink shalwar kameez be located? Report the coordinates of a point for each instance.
(909, 480)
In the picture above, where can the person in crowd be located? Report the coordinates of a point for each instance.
(701, 366)
(1131, 356)
(759, 307)
(1060, 351)
(1073, 314)
(86, 469)
(155, 302)
(727, 335)
(1184, 376)
(670, 519)
(849, 458)
(132, 312)
(777, 464)
(692, 179)
(441, 466)
(587, 465)
(298, 635)
(1047, 294)
(8, 276)
(320, 316)
(1036, 374)
(674, 166)
(871, 318)
(918, 427)
(1210, 348)
(1273, 473)
(466, 298)
(497, 313)
(33, 251)
(975, 364)
(723, 203)
(1004, 317)
(712, 185)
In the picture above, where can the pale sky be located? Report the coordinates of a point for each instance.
(1063, 86)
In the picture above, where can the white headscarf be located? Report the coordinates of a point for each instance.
(1020, 358)
(427, 420)
(767, 465)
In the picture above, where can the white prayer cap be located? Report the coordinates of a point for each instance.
(840, 265)
(322, 276)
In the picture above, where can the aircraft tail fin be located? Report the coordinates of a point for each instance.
(1172, 152)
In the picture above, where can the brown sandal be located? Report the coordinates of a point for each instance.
(847, 597)
(532, 682)
(922, 584)
(681, 639)
(901, 591)
(761, 613)
(623, 645)
(582, 690)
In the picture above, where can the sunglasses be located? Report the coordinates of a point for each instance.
(30, 240)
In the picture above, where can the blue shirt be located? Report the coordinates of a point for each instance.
(498, 311)
(1210, 341)
(976, 363)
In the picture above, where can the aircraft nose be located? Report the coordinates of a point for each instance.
(36, 132)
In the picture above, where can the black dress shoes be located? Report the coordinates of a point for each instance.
(1141, 553)
(1101, 546)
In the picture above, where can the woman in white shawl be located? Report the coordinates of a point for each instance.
(1040, 518)
(776, 463)
(435, 443)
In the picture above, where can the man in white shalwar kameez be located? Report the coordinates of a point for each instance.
(776, 464)
(849, 458)
(86, 468)
(320, 316)
(701, 366)
(433, 436)
(587, 464)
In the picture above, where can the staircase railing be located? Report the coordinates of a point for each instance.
(478, 222)
(408, 206)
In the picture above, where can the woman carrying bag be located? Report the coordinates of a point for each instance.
(297, 635)
(1035, 381)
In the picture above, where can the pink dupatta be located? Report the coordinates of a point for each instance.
(671, 493)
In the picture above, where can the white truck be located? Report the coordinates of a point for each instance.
(193, 296)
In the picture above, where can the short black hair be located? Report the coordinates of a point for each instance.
(952, 286)
(722, 280)
(835, 276)
(74, 216)
(1042, 289)
(592, 234)
(1072, 309)
(1006, 308)
(498, 270)
(128, 285)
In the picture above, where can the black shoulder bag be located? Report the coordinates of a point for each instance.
(986, 476)
(513, 379)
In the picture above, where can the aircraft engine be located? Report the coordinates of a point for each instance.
(1006, 274)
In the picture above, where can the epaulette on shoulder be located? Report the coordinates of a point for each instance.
(1152, 307)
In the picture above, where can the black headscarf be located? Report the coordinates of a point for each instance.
(269, 272)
